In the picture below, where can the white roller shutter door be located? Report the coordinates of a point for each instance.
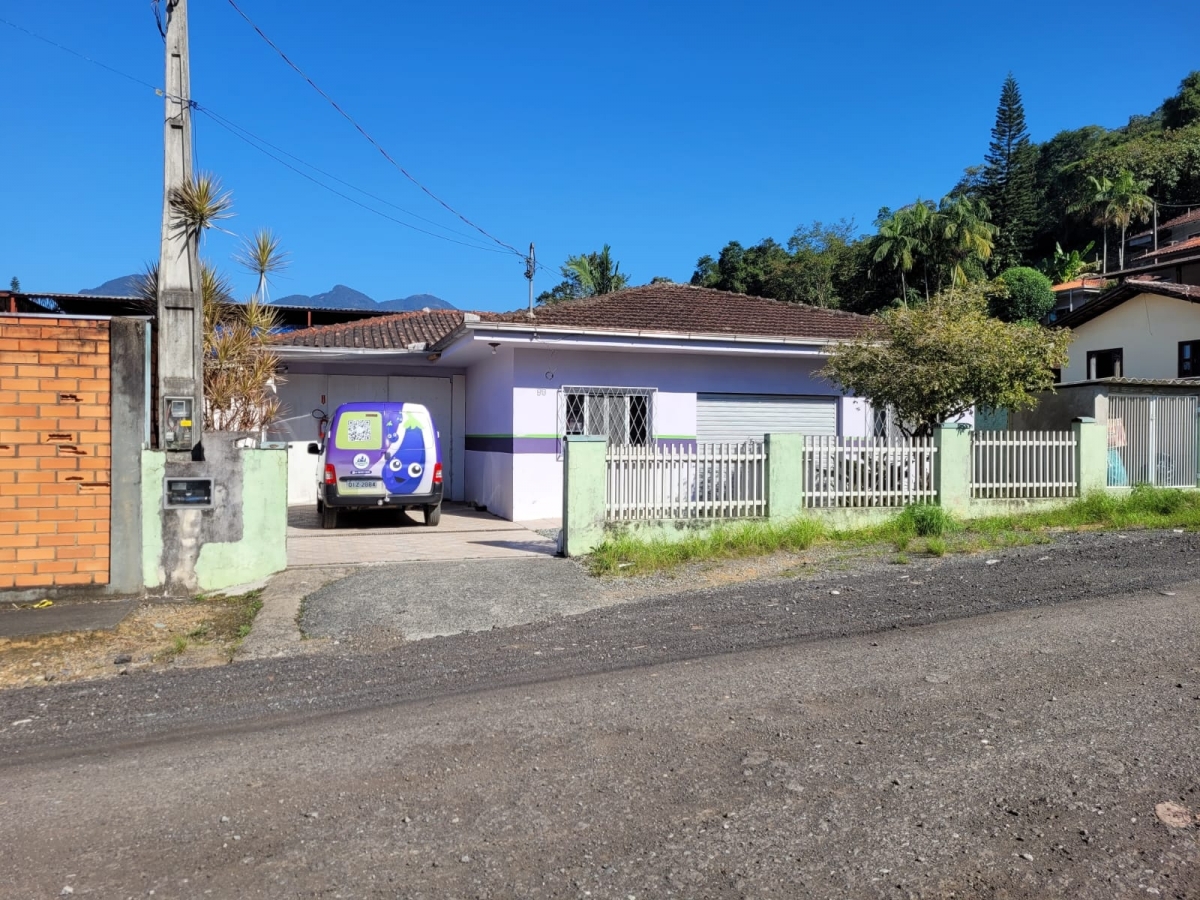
(722, 418)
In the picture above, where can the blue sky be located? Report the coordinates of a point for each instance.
(663, 129)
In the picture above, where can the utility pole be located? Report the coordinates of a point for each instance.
(530, 269)
(180, 303)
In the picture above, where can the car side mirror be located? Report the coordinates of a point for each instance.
(314, 449)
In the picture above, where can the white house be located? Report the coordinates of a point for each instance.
(665, 363)
(1142, 329)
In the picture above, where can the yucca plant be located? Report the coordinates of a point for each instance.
(262, 255)
(239, 368)
(200, 203)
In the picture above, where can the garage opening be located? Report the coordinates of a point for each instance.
(733, 418)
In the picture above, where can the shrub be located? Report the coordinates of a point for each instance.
(1029, 297)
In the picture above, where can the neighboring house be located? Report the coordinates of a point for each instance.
(1141, 329)
(1070, 295)
(1178, 249)
(660, 364)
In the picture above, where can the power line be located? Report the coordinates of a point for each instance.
(76, 53)
(249, 137)
(374, 143)
(250, 140)
(221, 120)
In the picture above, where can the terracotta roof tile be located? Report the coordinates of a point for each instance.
(394, 332)
(675, 308)
(683, 308)
(1192, 215)
(1171, 249)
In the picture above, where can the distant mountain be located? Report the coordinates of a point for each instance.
(125, 286)
(340, 297)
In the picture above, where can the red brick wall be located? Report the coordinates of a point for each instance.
(54, 451)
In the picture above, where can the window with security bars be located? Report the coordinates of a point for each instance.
(623, 415)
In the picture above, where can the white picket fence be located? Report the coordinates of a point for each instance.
(844, 472)
(1023, 464)
(702, 481)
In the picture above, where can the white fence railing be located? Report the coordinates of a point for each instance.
(859, 471)
(1023, 464)
(702, 481)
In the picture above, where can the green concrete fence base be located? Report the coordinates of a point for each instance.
(952, 468)
(584, 475)
(785, 475)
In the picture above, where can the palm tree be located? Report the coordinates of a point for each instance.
(1096, 202)
(962, 230)
(595, 273)
(897, 245)
(1127, 201)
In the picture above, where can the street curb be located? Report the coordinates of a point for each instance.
(276, 629)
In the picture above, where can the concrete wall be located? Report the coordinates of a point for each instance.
(1148, 328)
(1056, 411)
(489, 433)
(241, 539)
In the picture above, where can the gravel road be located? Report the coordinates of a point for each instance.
(776, 739)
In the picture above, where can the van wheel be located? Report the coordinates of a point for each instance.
(433, 515)
(329, 516)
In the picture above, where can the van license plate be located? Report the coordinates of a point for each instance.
(362, 485)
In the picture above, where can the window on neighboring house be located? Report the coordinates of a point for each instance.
(1105, 363)
(623, 415)
(1189, 359)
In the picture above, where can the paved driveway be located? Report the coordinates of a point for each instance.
(387, 537)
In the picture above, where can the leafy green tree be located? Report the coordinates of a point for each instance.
(821, 267)
(1008, 183)
(662, 279)
(932, 363)
(1029, 296)
(741, 270)
(587, 275)
(1183, 109)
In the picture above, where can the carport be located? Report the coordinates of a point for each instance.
(386, 537)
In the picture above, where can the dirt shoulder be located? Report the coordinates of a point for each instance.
(204, 631)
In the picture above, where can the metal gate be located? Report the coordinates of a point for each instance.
(1152, 440)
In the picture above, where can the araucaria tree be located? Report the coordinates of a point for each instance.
(1009, 179)
(934, 362)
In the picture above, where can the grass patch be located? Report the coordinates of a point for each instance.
(1143, 507)
(634, 556)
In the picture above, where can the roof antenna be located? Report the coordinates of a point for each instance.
(530, 268)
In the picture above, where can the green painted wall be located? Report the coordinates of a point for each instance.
(584, 475)
(262, 551)
(154, 470)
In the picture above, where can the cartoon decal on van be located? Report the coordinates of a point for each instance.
(401, 449)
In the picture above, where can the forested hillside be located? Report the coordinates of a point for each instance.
(1052, 206)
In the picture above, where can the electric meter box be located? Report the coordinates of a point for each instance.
(188, 493)
(178, 432)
